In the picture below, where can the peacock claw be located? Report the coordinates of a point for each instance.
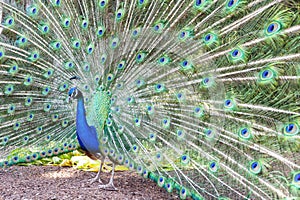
(109, 187)
(93, 180)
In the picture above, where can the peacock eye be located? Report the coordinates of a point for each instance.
(255, 167)
(236, 53)
(158, 28)
(230, 3)
(267, 75)
(208, 132)
(291, 129)
(208, 37)
(120, 15)
(182, 34)
(273, 28)
(297, 177)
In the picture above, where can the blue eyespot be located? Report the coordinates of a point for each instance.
(235, 53)
(230, 3)
(289, 128)
(271, 28)
(297, 178)
(197, 109)
(208, 132)
(244, 131)
(182, 34)
(119, 15)
(208, 37)
(265, 73)
(206, 80)
(254, 165)
(198, 2)
(185, 63)
(227, 102)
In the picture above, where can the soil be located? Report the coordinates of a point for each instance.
(51, 182)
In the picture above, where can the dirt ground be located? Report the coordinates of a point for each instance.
(48, 182)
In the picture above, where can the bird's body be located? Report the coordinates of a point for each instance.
(200, 96)
(86, 135)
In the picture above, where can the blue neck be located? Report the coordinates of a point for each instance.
(81, 122)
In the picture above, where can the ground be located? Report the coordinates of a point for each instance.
(50, 182)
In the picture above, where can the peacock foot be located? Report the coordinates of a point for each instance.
(109, 187)
(97, 177)
(93, 180)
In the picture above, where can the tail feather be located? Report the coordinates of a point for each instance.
(199, 96)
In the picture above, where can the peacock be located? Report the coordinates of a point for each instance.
(200, 96)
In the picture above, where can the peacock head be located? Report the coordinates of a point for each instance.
(74, 93)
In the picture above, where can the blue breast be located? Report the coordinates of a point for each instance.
(86, 135)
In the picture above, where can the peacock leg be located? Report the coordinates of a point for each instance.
(110, 184)
(97, 178)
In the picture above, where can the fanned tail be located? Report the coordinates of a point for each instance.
(200, 96)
